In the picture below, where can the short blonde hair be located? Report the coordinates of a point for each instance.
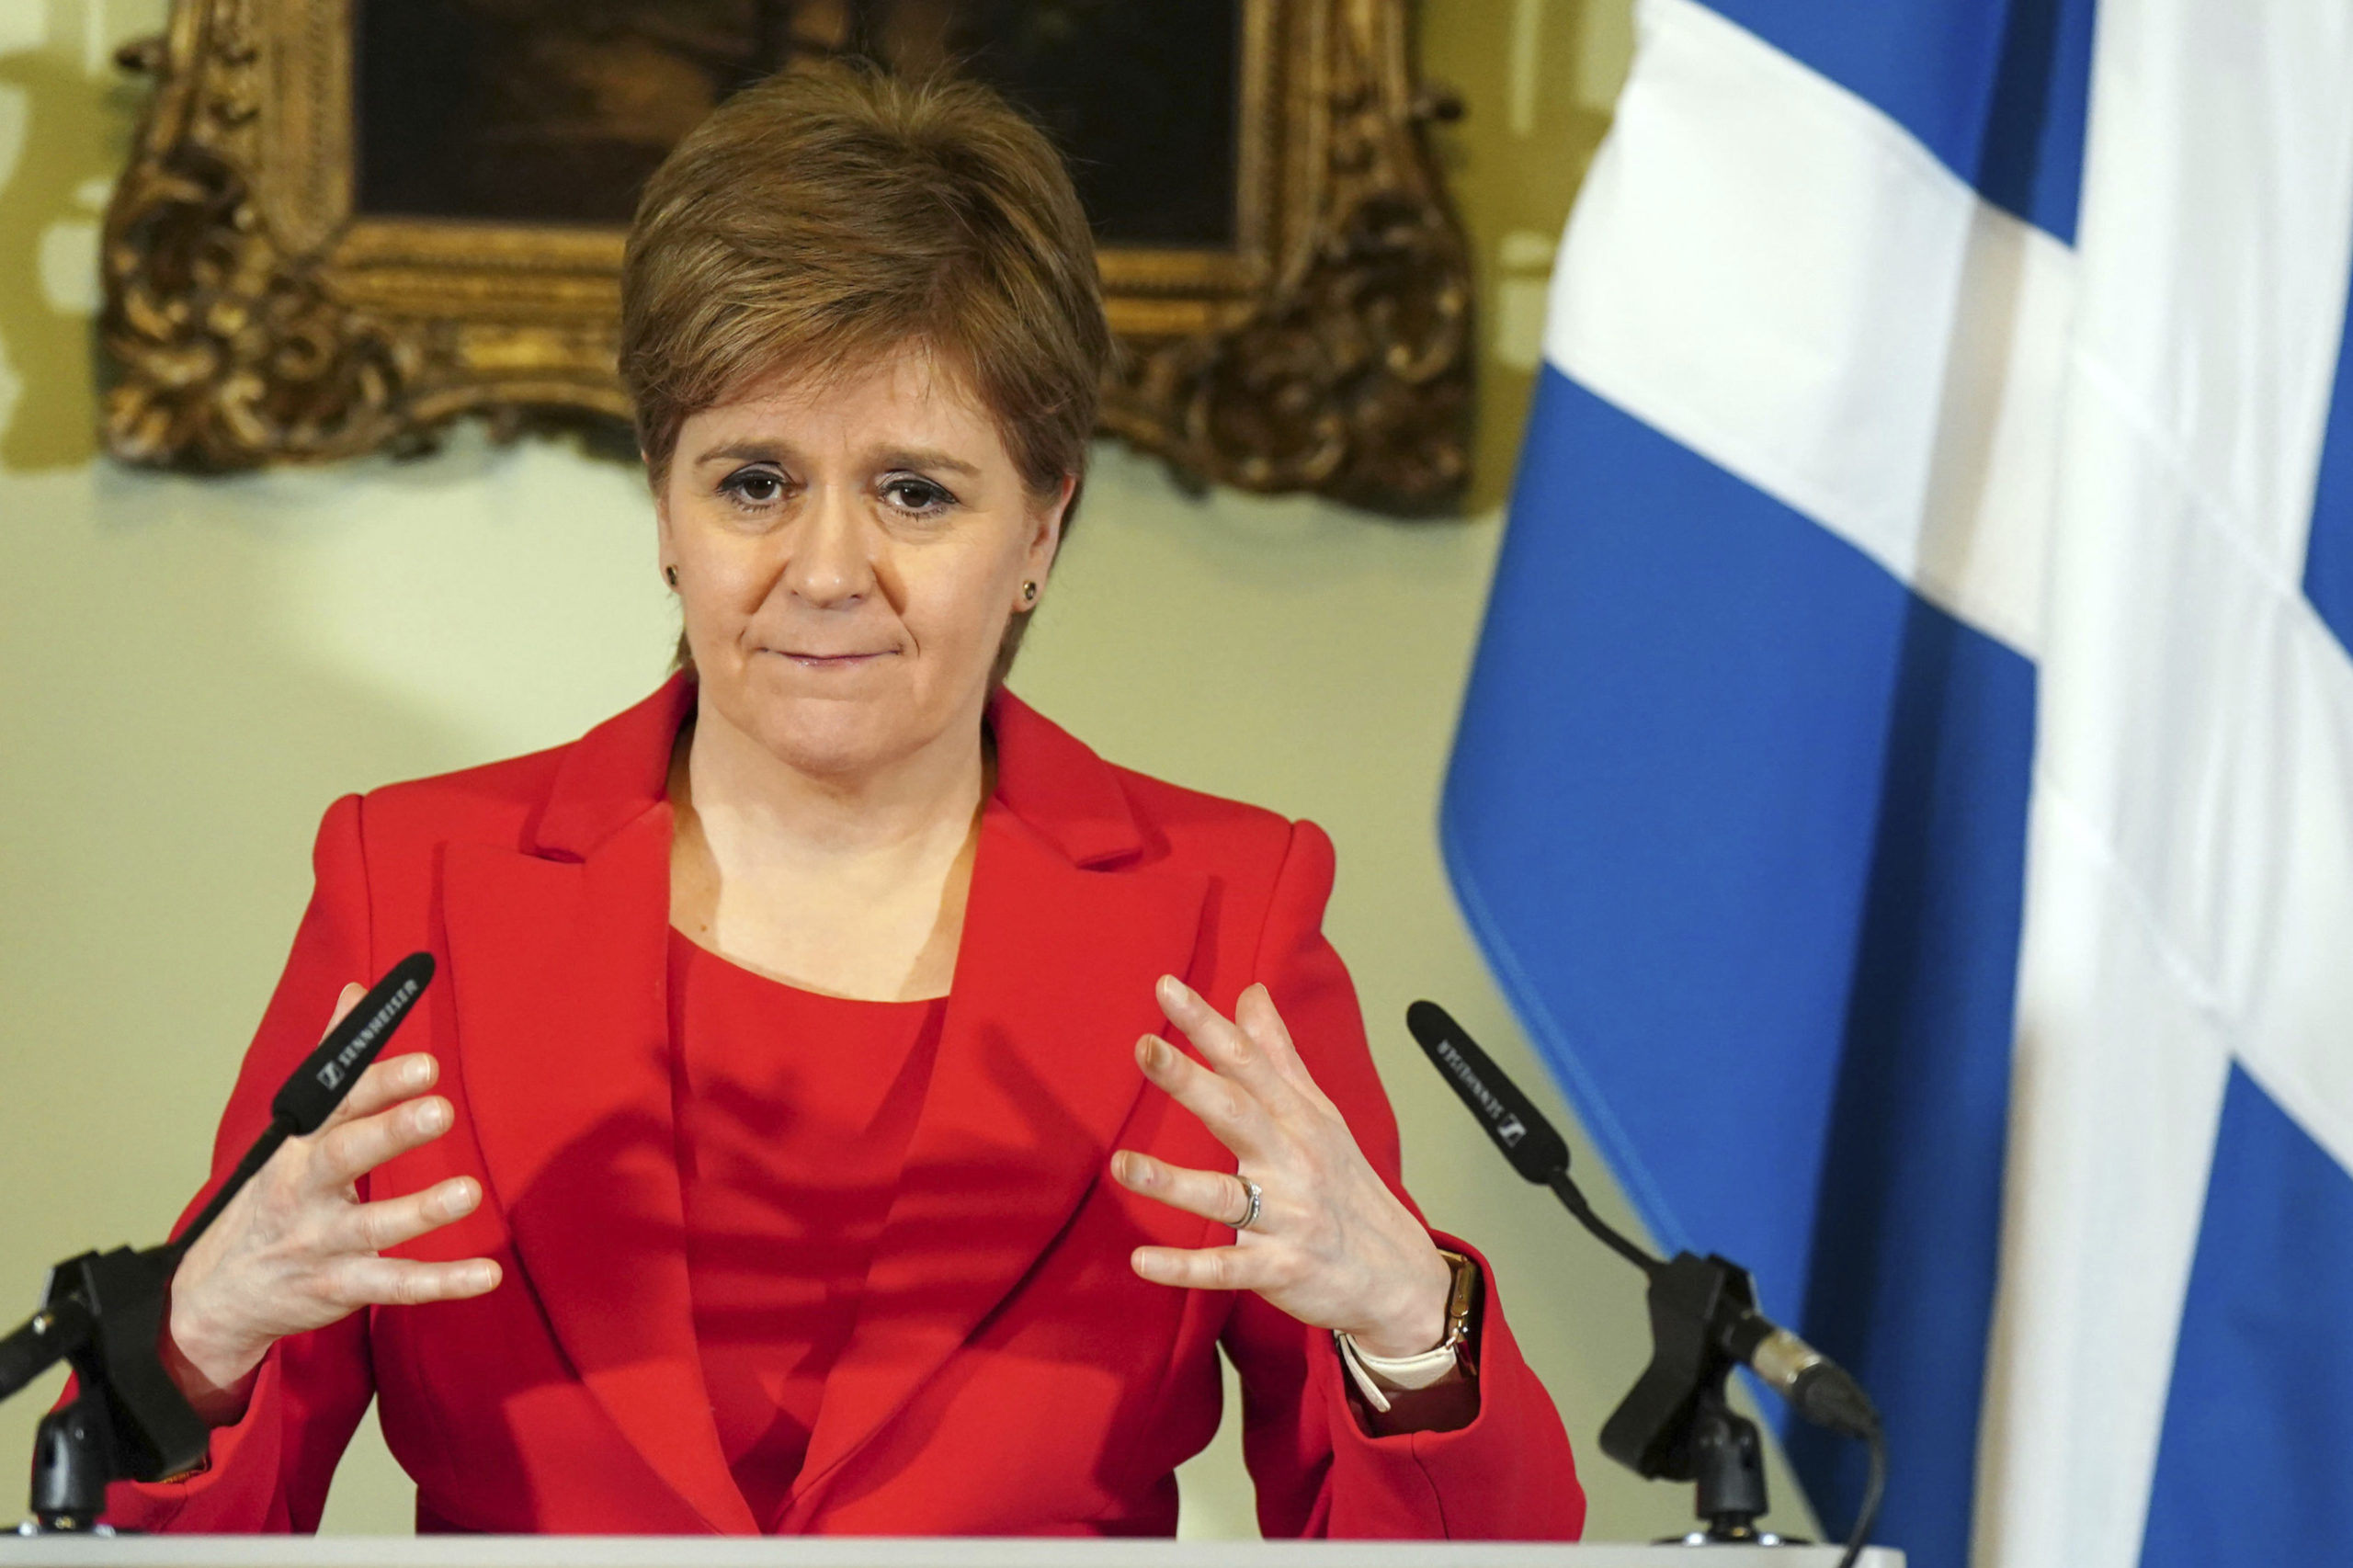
(824, 219)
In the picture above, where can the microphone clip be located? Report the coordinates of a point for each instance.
(104, 1312)
(1676, 1424)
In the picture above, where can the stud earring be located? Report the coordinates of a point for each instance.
(670, 575)
(1029, 593)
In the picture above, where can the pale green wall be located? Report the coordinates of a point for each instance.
(190, 670)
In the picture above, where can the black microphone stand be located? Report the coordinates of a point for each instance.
(103, 1313)
(1676, 1423)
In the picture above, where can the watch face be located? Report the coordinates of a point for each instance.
(1459, 1303)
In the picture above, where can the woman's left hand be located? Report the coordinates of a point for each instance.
(1331, 1245)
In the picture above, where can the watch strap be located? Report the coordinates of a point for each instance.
(1378, 1377)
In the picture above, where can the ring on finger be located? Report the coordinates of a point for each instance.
(1251, 1197)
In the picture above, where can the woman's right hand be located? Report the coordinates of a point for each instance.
(297, 1249)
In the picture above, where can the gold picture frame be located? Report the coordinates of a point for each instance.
(253, 317)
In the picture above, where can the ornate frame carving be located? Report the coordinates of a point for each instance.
(253, 318)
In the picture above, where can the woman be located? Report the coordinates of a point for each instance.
(746, 1171)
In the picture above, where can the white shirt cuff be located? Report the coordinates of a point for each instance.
(1378, 1377)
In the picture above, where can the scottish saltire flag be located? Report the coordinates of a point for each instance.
(1907, 782)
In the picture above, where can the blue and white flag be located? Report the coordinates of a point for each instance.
(1906, 782)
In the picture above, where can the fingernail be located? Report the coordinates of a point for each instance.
(1132, 1169)
(417, 1071)
(433, 1116)
(483, 1275)
(460, 1199)
(1148, 1051)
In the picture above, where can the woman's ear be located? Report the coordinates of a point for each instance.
(665, 546)
(1046, 541)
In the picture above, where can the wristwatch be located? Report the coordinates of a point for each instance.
(1461, 1306)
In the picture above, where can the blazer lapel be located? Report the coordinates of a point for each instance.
(557, 967)
(1034, 1078)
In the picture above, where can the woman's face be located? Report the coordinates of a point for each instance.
(848, 555)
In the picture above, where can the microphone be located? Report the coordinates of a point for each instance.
(103, 1312)
(307, 1098)
(1535, 1150)
(1815, 1386)
(319, 1085)
(73, 1317)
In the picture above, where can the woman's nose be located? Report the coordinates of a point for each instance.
(832, 562)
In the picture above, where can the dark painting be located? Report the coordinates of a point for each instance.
(555, 111)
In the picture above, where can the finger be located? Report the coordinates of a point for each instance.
(403, 1282)
(1198, 1269)
(378, 1227)
(1223, 1043)
(343, 1154)
(385, 1083)
(345, 1000)
(1212, 1195)
(1254, 1014)
(1237, 1120)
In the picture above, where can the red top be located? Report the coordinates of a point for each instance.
(793, 1115)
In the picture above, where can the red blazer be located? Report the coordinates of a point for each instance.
(1008, 1374)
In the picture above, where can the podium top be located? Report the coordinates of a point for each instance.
(870, 1551)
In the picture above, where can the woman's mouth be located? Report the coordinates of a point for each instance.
(831, 661)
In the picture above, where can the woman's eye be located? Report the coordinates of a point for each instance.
(754, 486)
(910, 493)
